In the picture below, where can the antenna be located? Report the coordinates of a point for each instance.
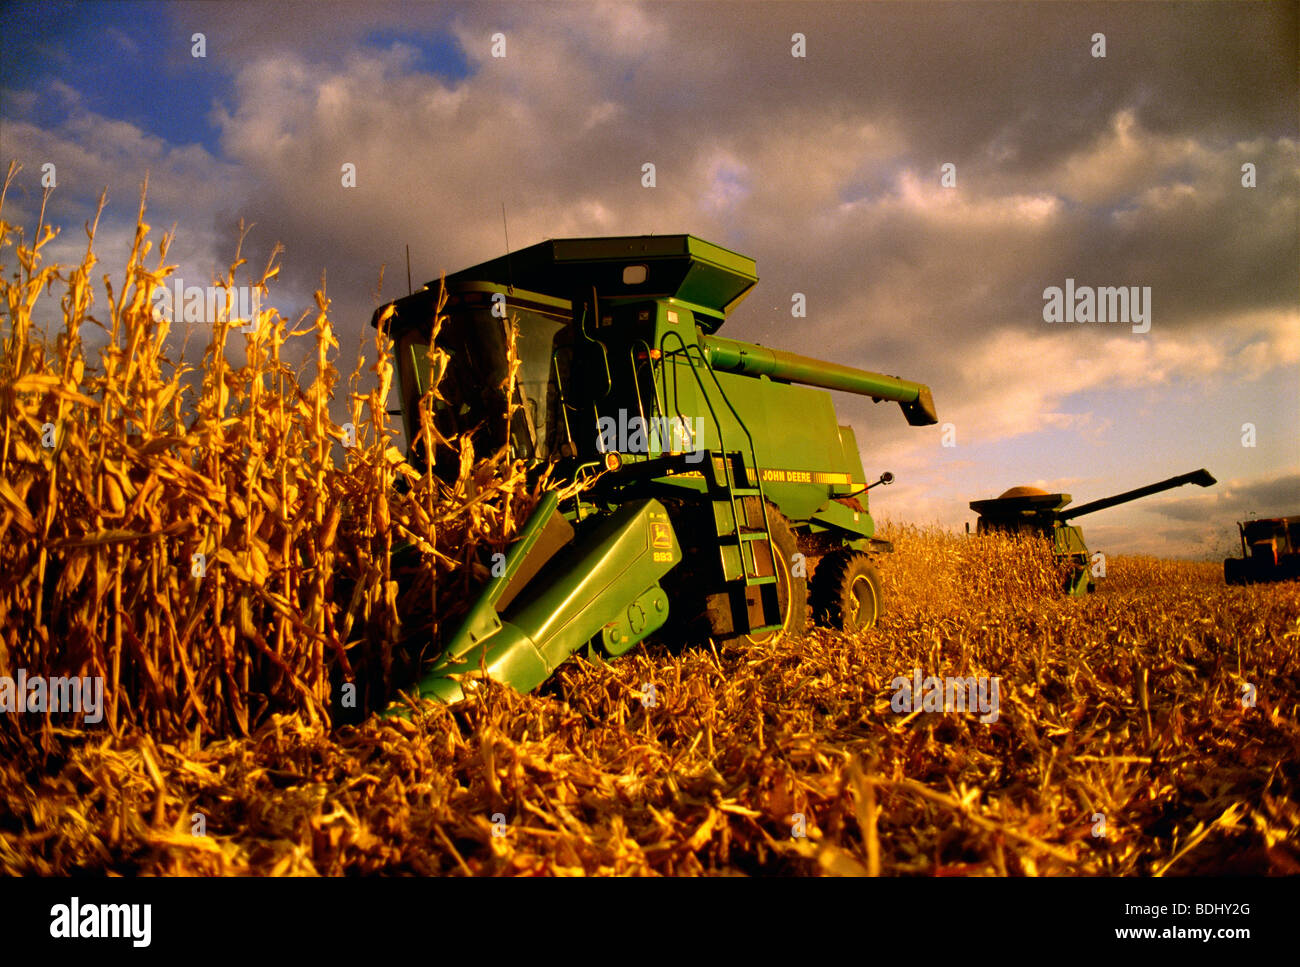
(409, 290)
(509, 276)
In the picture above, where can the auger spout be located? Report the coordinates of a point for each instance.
(731, 355)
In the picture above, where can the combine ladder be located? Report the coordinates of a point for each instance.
(735, 492)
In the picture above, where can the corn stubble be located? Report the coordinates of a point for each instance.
(222, 750)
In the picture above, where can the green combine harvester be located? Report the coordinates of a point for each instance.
(1029, 510)
(725, 493)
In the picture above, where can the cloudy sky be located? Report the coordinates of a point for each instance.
(1122, 170)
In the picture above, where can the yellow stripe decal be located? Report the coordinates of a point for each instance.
(771, 475)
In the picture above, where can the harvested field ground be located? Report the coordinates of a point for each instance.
(1126, 705)
(1149, 729)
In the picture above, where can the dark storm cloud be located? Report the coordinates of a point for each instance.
(1270, 497)
(1009, 93)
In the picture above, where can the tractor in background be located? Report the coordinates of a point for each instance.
(1270, 551)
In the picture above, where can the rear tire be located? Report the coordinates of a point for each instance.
(847, 593)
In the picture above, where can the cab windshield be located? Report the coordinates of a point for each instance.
(473, 391)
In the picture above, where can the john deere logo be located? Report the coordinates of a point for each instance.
(661, 535)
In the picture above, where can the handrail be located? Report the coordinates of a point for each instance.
(636, 383)
(758, 476)
(604, 354)
(662, 406)
(559, 386)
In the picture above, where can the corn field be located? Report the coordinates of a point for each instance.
(207, 556)
(228, 560)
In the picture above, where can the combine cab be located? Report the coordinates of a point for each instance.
(721, 478)
(1270, 551)
(1034, 511)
